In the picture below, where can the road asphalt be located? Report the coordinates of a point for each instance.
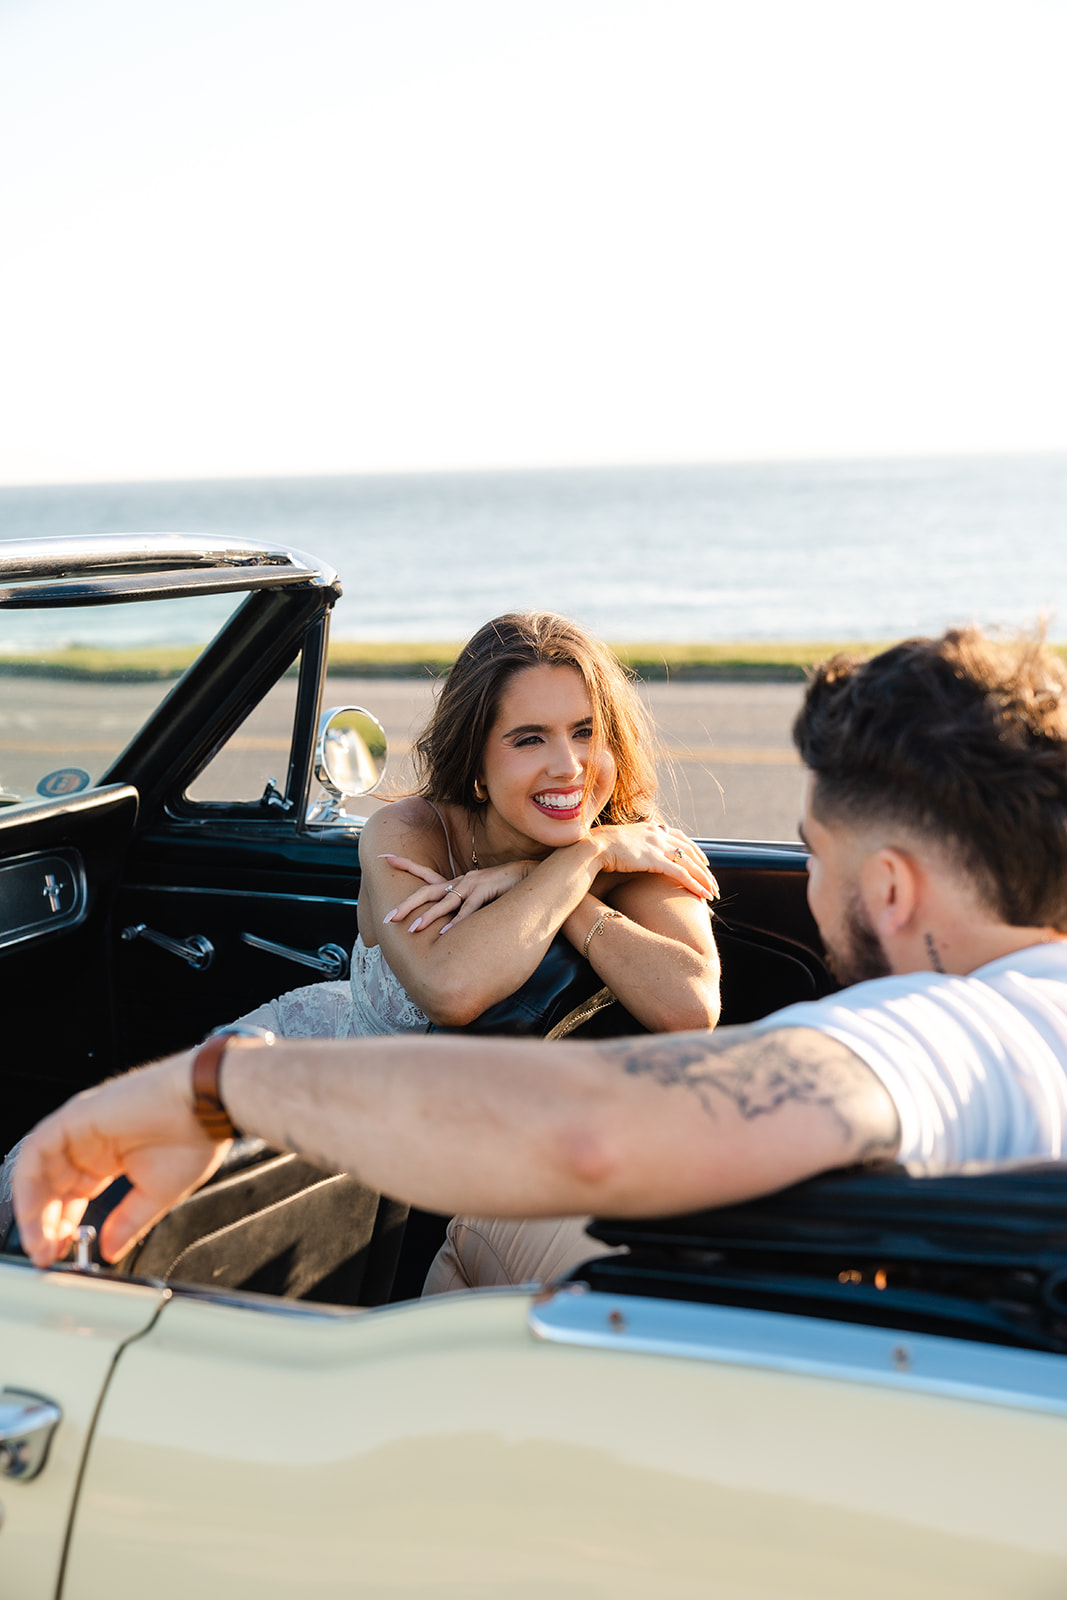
(735, 772)
(732, 772)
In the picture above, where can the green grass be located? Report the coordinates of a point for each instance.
(649, 661)
(775, 661)
(142, 665)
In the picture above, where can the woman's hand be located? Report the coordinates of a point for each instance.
(631, 847)
(455, 898)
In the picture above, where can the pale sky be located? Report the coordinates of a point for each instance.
(247, 237)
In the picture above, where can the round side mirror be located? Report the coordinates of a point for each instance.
(351, 752)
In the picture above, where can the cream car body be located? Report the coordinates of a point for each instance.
(502, 1444)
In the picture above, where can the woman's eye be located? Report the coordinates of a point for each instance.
(529, 738)
(583, 733)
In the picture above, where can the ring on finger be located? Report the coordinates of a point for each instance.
(677, 856)
(453, 890)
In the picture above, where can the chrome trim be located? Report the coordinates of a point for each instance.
(27, 1423)
(95, 569)
(328, 811)
(84, 1248)
(1028, 1380)
(329, 958)
(773, 851)
(240, 894)
(197, 950)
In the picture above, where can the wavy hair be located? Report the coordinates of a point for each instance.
(961, 741)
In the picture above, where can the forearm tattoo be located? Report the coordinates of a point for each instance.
(761, 1073)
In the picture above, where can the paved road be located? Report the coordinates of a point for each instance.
(733, 735)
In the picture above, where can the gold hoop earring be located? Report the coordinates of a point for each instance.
(481, 794)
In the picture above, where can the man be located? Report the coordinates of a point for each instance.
(936, 818)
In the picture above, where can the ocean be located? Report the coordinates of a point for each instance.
(800, 551)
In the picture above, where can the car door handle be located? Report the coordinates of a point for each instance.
(27, 1423)
(198, 951)
(328, 958)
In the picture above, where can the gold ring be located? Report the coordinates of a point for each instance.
(677, 855)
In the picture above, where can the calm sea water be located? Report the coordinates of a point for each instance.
(861, 550)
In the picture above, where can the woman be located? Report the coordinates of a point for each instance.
(534, 815)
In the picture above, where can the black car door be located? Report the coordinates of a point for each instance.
(112, 859)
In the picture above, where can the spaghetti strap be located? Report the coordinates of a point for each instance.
(448, 842)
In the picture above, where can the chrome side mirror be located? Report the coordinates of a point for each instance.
(350, 757)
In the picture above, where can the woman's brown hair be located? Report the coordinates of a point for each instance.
(449, 753)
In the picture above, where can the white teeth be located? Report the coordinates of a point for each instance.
(559, 802)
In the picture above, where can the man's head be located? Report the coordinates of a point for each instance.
(957, 746)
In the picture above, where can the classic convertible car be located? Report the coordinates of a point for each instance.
(857, 1387)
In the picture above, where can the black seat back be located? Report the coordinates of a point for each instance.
(277, 1225)
(265, 1222)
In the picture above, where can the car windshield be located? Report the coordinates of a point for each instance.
(79, 681)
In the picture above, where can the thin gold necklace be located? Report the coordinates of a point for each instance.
(474, 853)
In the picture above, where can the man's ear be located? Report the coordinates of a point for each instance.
(890, 887)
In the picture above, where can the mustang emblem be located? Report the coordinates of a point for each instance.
(53, 889)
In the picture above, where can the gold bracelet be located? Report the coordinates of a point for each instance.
(597, 925)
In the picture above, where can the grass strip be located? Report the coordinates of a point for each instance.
(739, 661)
(139, 665)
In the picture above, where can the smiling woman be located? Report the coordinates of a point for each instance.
(535, 819)
(535, 822)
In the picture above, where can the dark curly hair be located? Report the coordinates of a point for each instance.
(449, 753)
(961, 741)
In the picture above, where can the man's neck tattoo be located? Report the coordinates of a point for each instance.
(933, 953)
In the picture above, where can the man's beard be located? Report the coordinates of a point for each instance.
(859, 954)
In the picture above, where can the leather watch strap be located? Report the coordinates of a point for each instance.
(208, 1108)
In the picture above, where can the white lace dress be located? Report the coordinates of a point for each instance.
(371, 1000)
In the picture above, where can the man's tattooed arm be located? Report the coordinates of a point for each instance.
(756, 1074)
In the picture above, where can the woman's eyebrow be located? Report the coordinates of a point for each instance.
(541, 727)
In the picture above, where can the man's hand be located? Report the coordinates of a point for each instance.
(141, 1126)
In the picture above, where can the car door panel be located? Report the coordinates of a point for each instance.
(59, 1336)
(442, 1449)
(56, 963)
(294, 890)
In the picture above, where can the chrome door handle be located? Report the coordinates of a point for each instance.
(328, 958)
(198, 951)
(27, 1423)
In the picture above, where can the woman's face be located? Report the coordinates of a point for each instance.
(535, 762)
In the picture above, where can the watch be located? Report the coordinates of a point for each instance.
(208, 1108)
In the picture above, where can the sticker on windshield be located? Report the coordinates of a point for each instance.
(65, 780)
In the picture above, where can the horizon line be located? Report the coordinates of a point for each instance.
(516, 469)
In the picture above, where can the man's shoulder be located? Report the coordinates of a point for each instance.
(1046, 958)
